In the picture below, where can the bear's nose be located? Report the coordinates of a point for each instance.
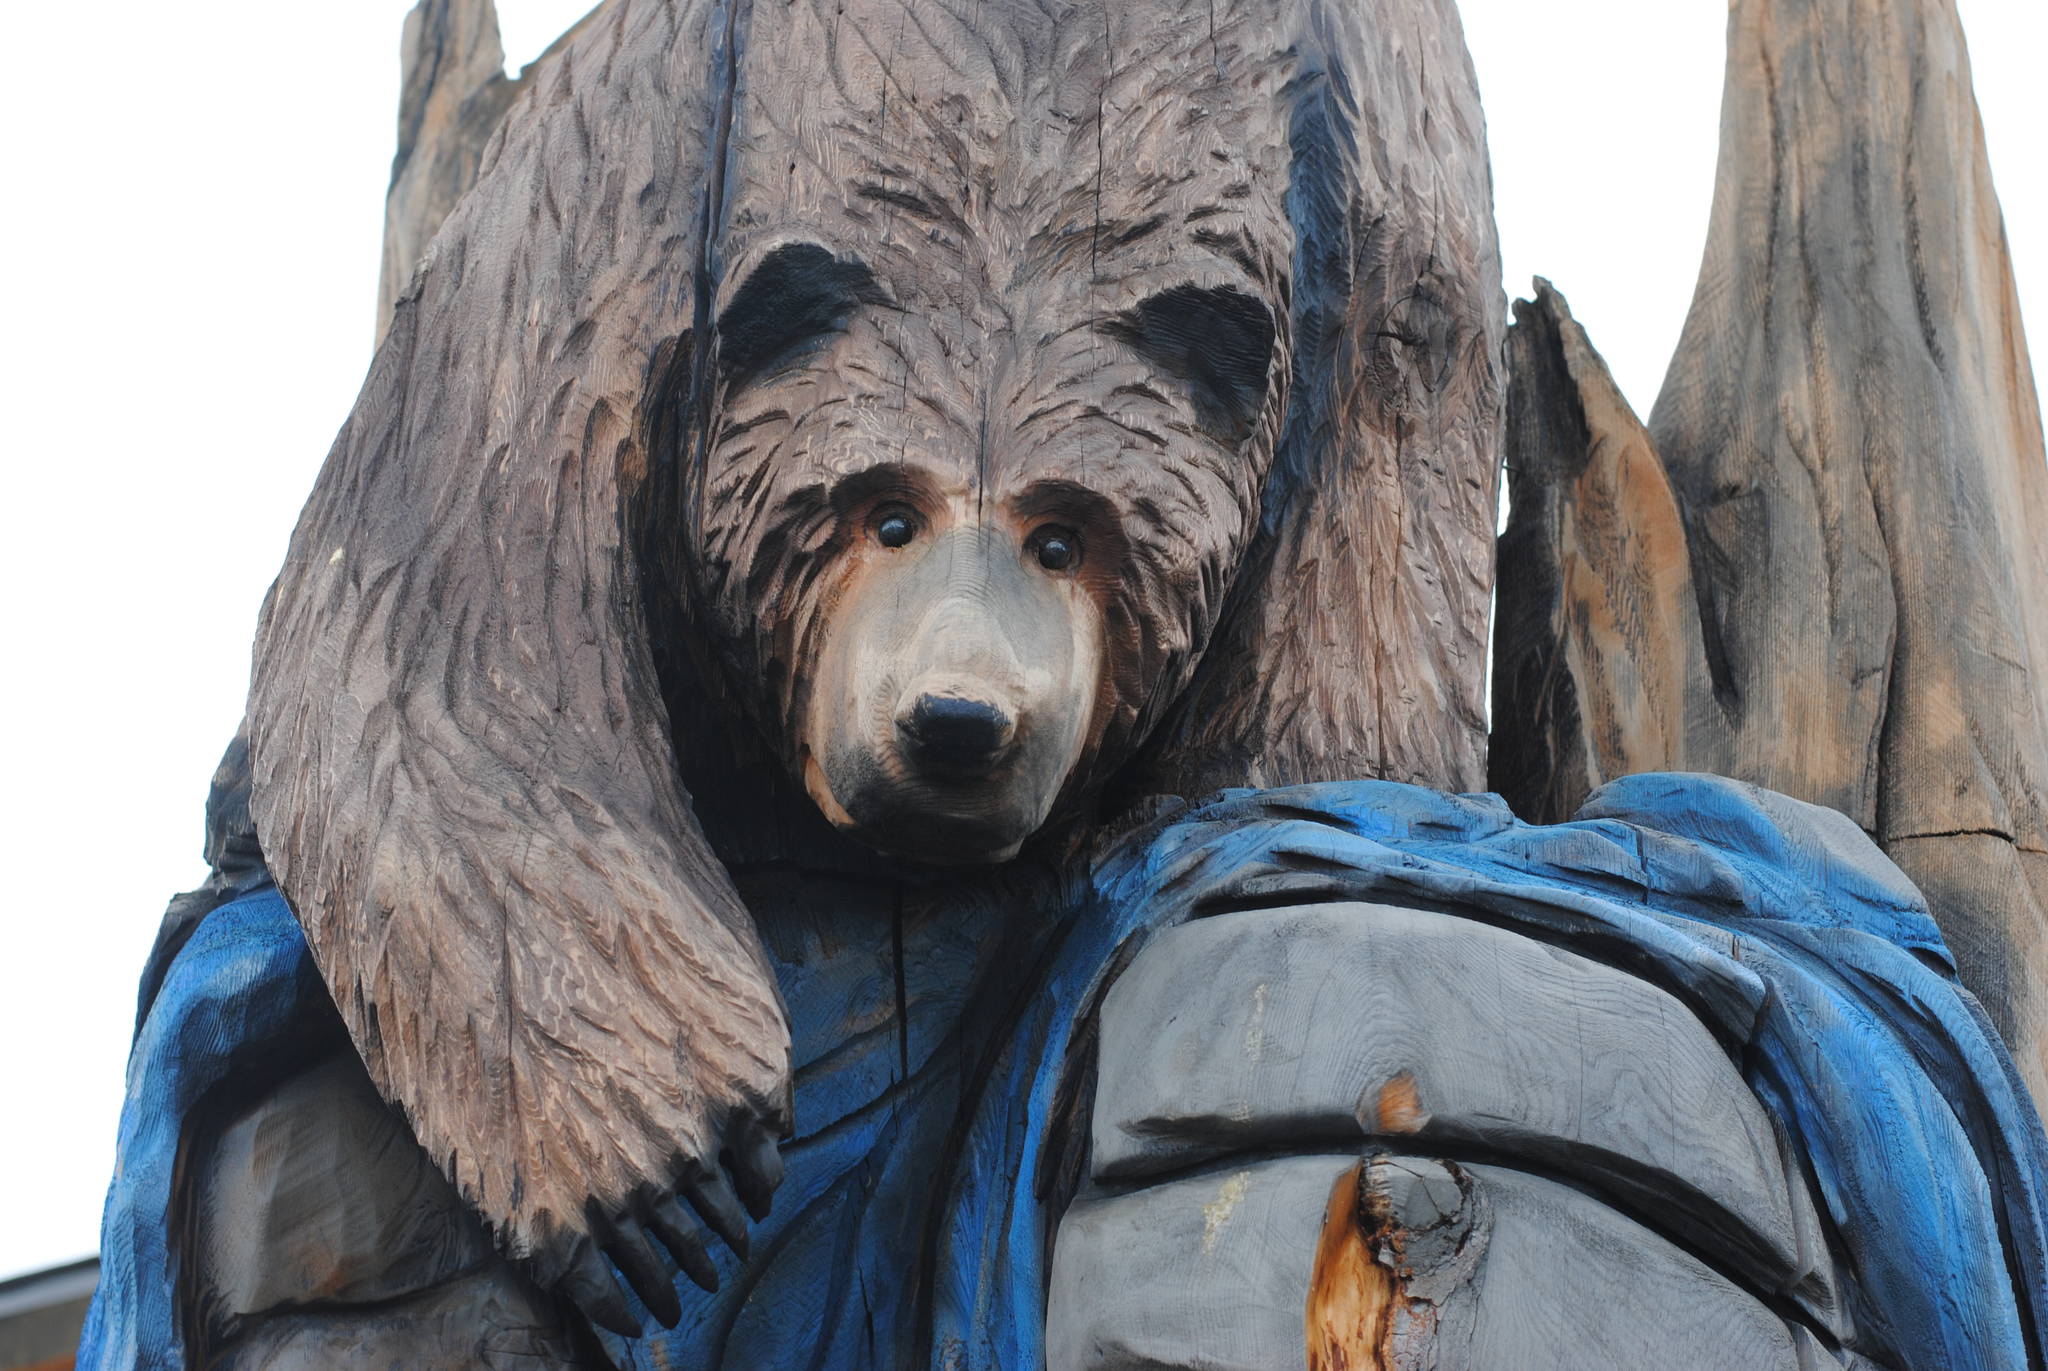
(953, 733)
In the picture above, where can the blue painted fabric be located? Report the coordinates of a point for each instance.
(238, 988)
(913, 1227)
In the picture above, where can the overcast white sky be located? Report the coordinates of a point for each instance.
(194, 220)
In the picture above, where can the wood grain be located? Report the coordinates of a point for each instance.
(1851, 444)
(1599, 661)
(1353, 643)
(464, 778)
(1349, 1317)
(1324, 1025)
(1494, 1268)
(453, 94)
(322, 1235)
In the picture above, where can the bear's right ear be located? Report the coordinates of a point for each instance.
(464, 778)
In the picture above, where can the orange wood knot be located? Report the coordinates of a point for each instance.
(1401, 1236)
(1399, 1107)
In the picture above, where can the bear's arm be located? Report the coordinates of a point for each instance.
(464, 775)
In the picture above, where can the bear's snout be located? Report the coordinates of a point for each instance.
(956, 686)
(954, 735)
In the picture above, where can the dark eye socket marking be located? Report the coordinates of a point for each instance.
(1217, 340)
(799, 294)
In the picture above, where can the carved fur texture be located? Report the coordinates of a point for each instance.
(1220, 274)
(464, 776)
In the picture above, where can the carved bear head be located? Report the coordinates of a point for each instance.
(985, 430)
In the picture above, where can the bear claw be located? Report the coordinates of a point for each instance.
(588, 1282)
(684, 1240)
(757, 1169)
(718, 1205)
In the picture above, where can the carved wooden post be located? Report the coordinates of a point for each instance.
(1833, 583)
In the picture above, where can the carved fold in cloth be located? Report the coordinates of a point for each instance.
(914, 1226)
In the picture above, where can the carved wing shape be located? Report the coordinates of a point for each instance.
(464, 777)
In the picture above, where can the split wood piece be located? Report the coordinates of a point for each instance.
(1839, 589)
(1314, 1027)
(453, 94)
(1397, 1262)
(1599, 666)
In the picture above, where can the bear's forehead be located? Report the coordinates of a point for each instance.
(985, 155)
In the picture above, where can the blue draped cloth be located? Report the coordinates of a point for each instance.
(238, 989)
(914, 1224)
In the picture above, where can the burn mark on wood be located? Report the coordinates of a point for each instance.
(799, 294)
(1219, 340)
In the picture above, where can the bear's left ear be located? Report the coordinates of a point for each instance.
(464, 775)
(1353, 643)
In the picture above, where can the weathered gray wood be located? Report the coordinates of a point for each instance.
(317, 1195)
(1320, 1026)
(318, 1192)
(1568, 1283)
(464, 777)
(488, 1325)
(1854, 490)
(453, 94)
(1210, 1272)
(1412, 1264)
(1354, 643)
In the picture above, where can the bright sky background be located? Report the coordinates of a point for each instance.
(195, 226)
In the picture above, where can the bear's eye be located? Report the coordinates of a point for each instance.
(1057, 548)
(895, 527)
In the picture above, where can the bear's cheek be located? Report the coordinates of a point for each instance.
(953, 696)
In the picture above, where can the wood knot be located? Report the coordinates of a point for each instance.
(1399, 1107)
(1400, 1236)
(1351, 1295)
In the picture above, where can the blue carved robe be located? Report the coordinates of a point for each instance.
(914, 1225)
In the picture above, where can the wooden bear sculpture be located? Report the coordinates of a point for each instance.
(837, 488)
(959, 421)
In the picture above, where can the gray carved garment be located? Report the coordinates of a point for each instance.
(1689, 1081)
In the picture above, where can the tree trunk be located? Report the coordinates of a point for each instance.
(1819, 567)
